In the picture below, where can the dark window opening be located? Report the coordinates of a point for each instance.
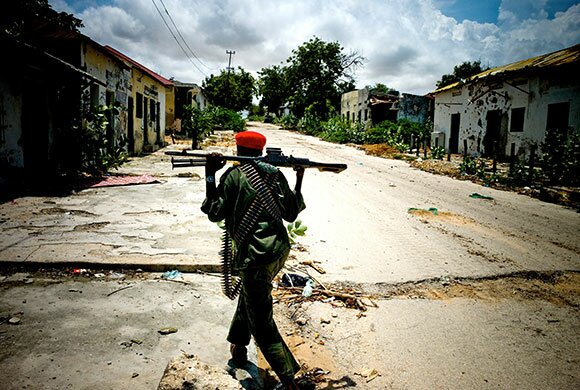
(558, 116)
(152, 116)
(517, 120)
(139, 106)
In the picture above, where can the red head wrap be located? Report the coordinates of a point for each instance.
(251, 140)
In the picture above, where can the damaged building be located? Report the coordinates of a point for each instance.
(509, 108)
(370, 108)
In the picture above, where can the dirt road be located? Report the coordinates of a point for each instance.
(360, 228)
(484, 294)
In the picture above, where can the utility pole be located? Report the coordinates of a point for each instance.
(230, 53)
(229, 69)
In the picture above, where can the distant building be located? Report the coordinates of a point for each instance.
(364, 106)
(186, 94)
(510, 106)
(147, 106)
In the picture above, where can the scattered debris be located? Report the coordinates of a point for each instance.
(368, 373)
(475, 195)
(121, 289)
(135, 375)
(167, 330)
(188, 372)
(14, 320)
(431, 210)
(317, 268)
(171, 274)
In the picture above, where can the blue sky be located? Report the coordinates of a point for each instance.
(408, 44)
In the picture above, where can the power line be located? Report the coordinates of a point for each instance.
(176, 40)
(181, 36)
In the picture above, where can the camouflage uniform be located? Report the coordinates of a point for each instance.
(257, 260)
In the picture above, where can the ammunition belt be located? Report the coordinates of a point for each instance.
(264, 201)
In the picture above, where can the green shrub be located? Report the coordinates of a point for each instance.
(288, 122)
(468, 166)
(227, 119)
(437, 152)
(340, 131)
(561, 156)
(310, 125)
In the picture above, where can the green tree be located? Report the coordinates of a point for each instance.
(382, 89)
(23, 18)
(233, 90)
(318, 73)
(461, 72)
(274, 88)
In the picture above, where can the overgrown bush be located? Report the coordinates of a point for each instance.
(468, 166)
(437, 152)
(100, 150)
(561, 157)
(340, 131)
(288, 122)
(310, 125)
(225, 118)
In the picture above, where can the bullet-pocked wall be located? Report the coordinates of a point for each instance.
(495, 115)
(116, 77)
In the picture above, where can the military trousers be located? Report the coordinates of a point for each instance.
(254, 317)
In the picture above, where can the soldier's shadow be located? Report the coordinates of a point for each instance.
(249, 375)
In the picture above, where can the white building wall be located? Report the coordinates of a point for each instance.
(473, 102)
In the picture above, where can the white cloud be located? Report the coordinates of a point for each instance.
(409, 44)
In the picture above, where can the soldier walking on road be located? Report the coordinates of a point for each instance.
(254, 198)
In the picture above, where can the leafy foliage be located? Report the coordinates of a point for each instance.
(22, 18)
(461, 72)
(295, 229)
(197, 124)
(437, 152)
(380, 88)
(561, 156)
(274, 87)
(99, 152)
(289, 121)
(316, 75)
(201, 123)
(340, 131)
(233, 90)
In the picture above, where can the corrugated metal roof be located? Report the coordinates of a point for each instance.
(551, 60)
(154, 75)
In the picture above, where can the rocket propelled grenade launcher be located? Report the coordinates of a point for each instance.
(274, 156)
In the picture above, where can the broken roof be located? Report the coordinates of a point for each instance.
(143, 68)
(556, 59)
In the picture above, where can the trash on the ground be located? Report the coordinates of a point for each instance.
(14, 320)
(475, 195)
(167, 330)
(135, 375)
(116, 275)
(75, 290)
(171, 274)
(307, 291)
(293, 280)
(99, 275)
(316, 267)
(79, 271)
(137, 341)
(432, 210)
(324, 320)
(392, 185)
(301, 321)
(120, 289)
(368, 373)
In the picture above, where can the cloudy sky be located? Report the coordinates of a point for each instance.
(408, 44)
